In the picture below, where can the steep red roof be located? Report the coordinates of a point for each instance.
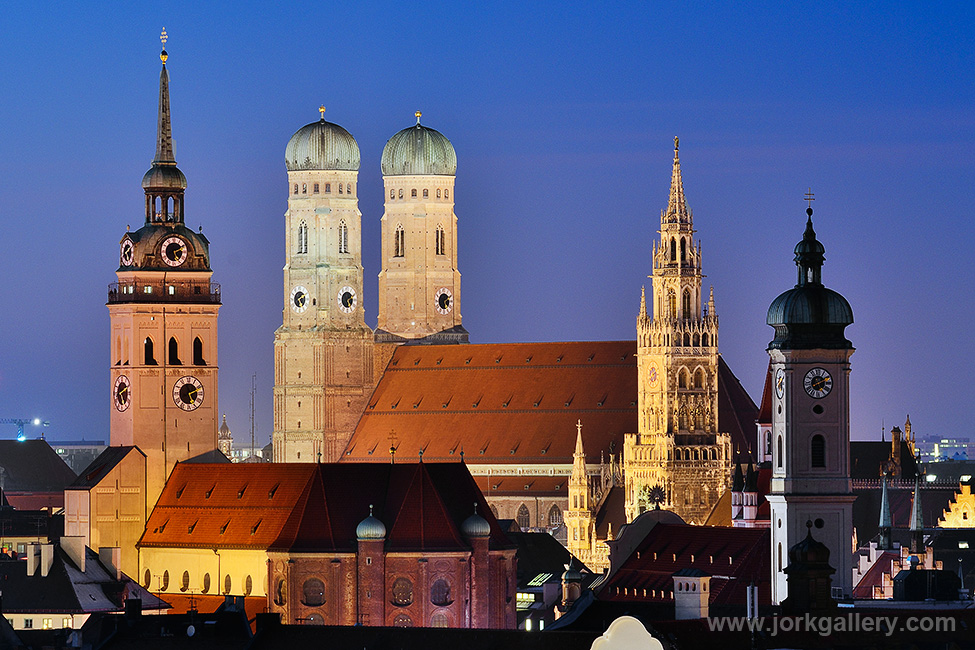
(516, 403)
(733, 557)
(875, 574)
(765, 411)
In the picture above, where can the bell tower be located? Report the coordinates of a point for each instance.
(419, 285)
(678, 459)
(163, 310)
(810, 358)
(323, 351)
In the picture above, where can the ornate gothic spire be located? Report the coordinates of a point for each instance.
(643, 302)
(164, 130)
(885, 518)
(676, 206)
(917, 518)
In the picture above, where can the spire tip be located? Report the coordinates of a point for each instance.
(163, 37)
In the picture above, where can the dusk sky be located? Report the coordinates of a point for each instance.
(562, 116)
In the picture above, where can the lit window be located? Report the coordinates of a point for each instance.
(47, 623)
(28, 623)
(147, 289)
(402, 592)
(172, 290)
(66, 623)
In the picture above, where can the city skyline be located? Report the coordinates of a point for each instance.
(563, 125)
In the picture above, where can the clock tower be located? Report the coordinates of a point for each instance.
(419, 285)
(163, 310)
(810, 358)
(323, 351)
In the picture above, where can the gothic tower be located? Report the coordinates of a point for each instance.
(323, 351)
(678, 459)
(578, 516)
(811, 418)
(163, 312)
(419, 285)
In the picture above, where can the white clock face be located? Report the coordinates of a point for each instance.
(188, 393)
(173, 251)
(347, 299)
(780, 383)
(122, 393)
(444, 300)
(299, 299)
(818, 383)
(127, 254)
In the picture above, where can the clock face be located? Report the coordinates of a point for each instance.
(444, 300)
(173, 251)
(817, 383)
(188, 393)
(299, 299)
(347, 299)
(128, 253)
(653, 374)
(122, 394)
(780, 382)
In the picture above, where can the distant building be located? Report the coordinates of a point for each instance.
(32, 475)
(225, 439)
(933, 449)
(77, 453)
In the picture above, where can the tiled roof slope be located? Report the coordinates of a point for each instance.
(516, 403)
(765, 411)
(32, 466)
(308, 507)
(669, 548)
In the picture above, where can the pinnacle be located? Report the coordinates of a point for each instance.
(676, 205)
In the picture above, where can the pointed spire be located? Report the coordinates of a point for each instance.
(885, 518)
(579, 450)
(164, 130)
(676, 206)
(711, 310)
(917, 518)
(643, 302)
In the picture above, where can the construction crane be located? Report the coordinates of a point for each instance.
(21, 423)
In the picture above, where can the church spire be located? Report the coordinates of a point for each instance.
(643, 302)
(164, 130)
(917, 518)
(676, 206)
(885, 518)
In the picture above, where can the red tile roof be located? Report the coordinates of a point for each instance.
(874, 575)
(516, 403)
(765, 411)
(308, 507)
(533, 486)
(669, 548)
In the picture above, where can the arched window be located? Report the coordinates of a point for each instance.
(817, 451)
(446, 194)
(296, 188)
(206, 583)
(281, 592)
(343, 237)
(413, 193)
(687, 340)
(340, 188)
(683, 250)
(682, 378)
(402, 592)
(686, 304)
(392, 194)
(313, 592)
(438, 192)
(672, 303)
(150, 359)
(704, 340)
(185, 583)
(174, 352)
(426, 194)
(699, 378)
(248, 586)
(165, 581)
(524, 517)
(402, 620)
(673, 249)
(401, 192)
(302, 238)
(399, 242)
(697, 340)
(198, 359)
(304, 188)
(554, 515)
(440, 240)
(226, 584)
(440, 593)
(348, 188)
(778, 451)
(439, 619)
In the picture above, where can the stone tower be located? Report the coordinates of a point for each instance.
(163, 312)
(323, 351)
(678, 459)
(811, 418)
(419, 285)
(578, 516)
(225, 438)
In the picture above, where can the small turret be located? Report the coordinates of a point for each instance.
(885, 518)
(370, 528)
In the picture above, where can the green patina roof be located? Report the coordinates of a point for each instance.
(419, 150)
(322, 145)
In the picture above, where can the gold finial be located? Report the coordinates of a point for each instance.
(676, 144)
(163, 38)
(418, 114)
(321, 110)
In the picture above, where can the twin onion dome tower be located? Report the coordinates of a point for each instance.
(327, 359)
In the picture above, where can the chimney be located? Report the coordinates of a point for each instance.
(47, 559)
(111, 559)
(33, 558)
(691, 597)
(75, 548)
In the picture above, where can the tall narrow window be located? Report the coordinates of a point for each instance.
(524, 517)
(343, 237)
(399, 242)
(413, 193)
(150, 360)
(441, 240)
(348, 188)
(392, 194)
(426, 194)
(554, 515)
(296, 188)
(699, 378)
(304, 188)
(328, 188)
(446, 194)
(174, 352)
(315, 188)
(340, 188)
(401, 192)
(686, 304)
(672, 303)
(673, 249)
(778, 451)
(438, 193)
(302, 237)
(683, 249)
(817, 451)
(198, 352)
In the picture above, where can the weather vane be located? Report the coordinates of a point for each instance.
(321, 110)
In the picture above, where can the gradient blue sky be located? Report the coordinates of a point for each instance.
(562, 115)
